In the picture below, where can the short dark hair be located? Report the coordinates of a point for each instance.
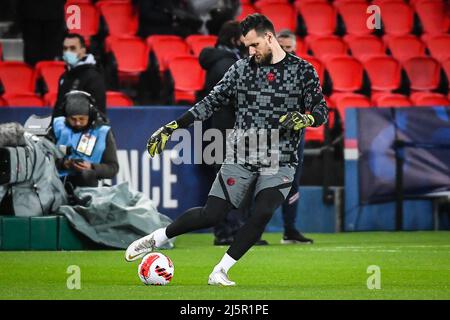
(260, 23)
(229, 31)
(77, 36)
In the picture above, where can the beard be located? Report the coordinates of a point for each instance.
(265, 59)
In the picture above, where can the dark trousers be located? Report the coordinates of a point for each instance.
(215, 211)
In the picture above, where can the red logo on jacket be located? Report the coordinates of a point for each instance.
(271, 76)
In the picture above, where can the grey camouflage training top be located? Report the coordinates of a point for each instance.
(262, 94)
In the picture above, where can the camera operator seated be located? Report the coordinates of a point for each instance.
(86, 139)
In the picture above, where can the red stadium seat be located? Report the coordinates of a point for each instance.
(346, 73)
(397, 17)
(246, 9)
(282, 15)
(320, 68)
(392, 100)
(165, 48)
(77, 1)
(315, 134)
(120, 18)
(384, 73)
(23, 100)
(89, 19)
(433, 16)
(446, 68)
(354, 15)
(16, 77)
(439, 47)
(423, 73)
(197, 42)
(50, 99)
(319, 17)
(118, 99)
(188, 77)
(131, 54)
(362, 47)
(429, 99)
(327, 46)
(50, 72)
(258, 3)
(405, 47)
(348, 100)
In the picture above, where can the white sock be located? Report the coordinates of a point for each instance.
(160, 237)
(226, 263)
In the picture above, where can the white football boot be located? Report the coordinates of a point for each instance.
(220, 278)
(140, 247)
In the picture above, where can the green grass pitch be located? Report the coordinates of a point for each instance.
(413, 265)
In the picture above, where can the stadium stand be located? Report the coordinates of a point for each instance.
(282, 15)
(188, 78)
(346, 73)
(23, 100)
(392, 100)
(165, 48)
(16, 77)
(197, 42)
(397, 17)
(89, 19)
(439, 47)
(405, 47)
(319, 17)
(384, 73)
(117, 99)
(353, 14)
(429, 99)
(433, 16)
(327, 46)
(423, 73)
(120, 17)
(363, 47)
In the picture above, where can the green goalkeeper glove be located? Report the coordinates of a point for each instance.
(296, 120)
(158, 140)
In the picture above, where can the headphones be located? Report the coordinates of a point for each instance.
(93, 111)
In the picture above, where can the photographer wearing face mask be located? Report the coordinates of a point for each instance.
(81, 74)
(83, 135)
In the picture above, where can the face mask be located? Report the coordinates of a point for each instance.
(70, 58)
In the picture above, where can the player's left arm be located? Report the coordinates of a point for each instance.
(312, 98)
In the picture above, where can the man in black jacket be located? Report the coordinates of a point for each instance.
(81, 74)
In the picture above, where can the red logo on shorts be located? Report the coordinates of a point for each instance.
(270, 76)
(231, 181)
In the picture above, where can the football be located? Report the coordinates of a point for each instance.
(155, 269)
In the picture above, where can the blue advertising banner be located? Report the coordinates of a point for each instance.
(172, 187)
(426, 133)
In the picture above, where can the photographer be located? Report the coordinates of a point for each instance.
(88, 142)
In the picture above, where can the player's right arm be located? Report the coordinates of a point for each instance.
(220, 95)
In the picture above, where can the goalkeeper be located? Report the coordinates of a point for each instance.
(274, 91)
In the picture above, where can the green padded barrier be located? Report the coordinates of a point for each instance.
(44, 233)
(68, 237)
(15, 233)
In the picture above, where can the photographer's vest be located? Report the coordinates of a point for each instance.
(87, 145)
